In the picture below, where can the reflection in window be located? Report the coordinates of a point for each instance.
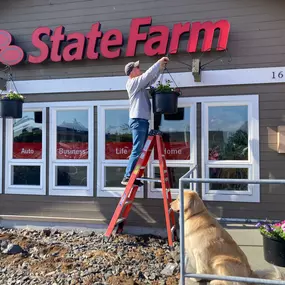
(71, 175)
(118, 137)
(175, 173)
(114, 176)
(72, 134)
(176, 134)
(228, 173)
(26, 175)
(228, 133)
(27, 136)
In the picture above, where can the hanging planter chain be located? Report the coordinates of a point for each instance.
(11, 104)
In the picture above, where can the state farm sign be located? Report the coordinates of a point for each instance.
(157, 40)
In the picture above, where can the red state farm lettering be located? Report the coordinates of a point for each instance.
(40, 45)
(74, 51)
(155, 40)
(112, 38)
(92, 37)
(57, 39)
(178, 31)
(135, 35)
(161, 40)
(209, 28)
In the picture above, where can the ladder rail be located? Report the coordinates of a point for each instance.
(165, 188)
(126, 202)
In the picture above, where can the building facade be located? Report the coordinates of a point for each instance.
(64, 160)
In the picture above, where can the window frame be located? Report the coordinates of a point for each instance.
(10, 161)
(156, 192)
(102, 162)
(54, 162)
(252, 163)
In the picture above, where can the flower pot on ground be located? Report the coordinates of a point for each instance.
(273, 242)
(11, 105)
(164, 98)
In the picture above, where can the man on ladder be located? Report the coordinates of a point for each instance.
(143, 144)
(139, 108)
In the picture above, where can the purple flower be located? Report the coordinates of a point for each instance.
(268, 228)
(258, 225)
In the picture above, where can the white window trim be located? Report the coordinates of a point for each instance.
(253, 194)
(25, 189)
(156, 192)
(102, 162)
(53, 162)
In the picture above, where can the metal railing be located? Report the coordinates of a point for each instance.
(189, 177)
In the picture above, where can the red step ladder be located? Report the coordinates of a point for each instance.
(125, 204)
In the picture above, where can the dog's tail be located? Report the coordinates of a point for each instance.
(275, 274)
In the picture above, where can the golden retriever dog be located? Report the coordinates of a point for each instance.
(209, 247)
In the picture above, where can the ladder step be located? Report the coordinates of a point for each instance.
(120, 220)
(149, 179)
(128, 202)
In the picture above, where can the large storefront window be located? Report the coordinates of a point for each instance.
(72, 134)
(71, 151)
(118, 137)
(114, 149)
(26, 153)
(180, 150)
(176, 134)
(230, 145)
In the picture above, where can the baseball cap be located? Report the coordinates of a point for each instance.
(129, 67)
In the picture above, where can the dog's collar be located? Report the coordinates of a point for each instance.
(197, 214)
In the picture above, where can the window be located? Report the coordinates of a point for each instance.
(71, 148)
(25, 145)
(179, 136)
(114, 149)
(230, 148)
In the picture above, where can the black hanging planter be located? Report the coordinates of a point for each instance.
(165, 102)
(11, 108)
(179, 116)
(274, 250)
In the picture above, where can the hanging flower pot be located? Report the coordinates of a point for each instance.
(11, 105)
(273, 242)
(274, 250)
(179, 116)
(164, 98)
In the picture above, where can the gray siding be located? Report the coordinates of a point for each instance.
(257, 30)
(256, 40)
(272, 103)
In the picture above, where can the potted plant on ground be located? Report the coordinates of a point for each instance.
(164, 98)
(11, 105)
(273, 242)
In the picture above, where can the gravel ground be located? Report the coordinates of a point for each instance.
(54, 258)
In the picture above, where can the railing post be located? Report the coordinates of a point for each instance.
(181, 229)
(206, 277)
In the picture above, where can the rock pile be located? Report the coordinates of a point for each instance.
(50, 257)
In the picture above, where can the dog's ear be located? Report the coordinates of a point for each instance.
(196, 205)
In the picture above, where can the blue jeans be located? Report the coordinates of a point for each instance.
(139, 128)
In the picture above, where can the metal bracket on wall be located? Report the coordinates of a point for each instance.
(196, 69)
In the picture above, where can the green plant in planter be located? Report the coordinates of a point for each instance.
(163, 88)
(13, 95)
(273, 230)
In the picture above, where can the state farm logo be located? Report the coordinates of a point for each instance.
(9, 54)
